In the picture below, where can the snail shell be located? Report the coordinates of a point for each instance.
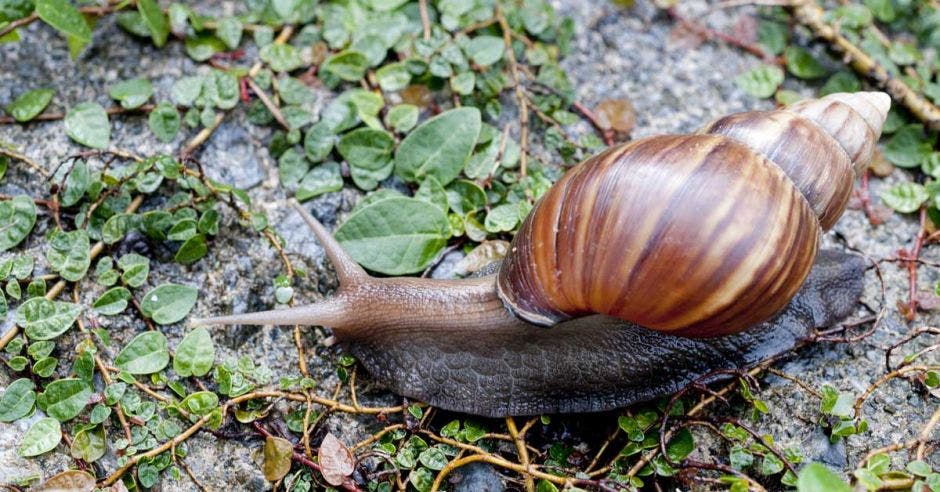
(694, 235)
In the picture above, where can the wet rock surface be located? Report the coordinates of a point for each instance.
(617, 53)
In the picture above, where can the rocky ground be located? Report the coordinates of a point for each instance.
(621, 53)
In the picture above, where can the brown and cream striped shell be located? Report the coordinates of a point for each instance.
(696, 235)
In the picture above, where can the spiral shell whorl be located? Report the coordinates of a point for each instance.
(697, 235)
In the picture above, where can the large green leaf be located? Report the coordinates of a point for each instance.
(395, 236)
(439, 146)
(168, 303)
(43, 319)
(64, 399)
(18, 217)
(42, 437)
(17, 401)
(65, 18)
(87, 123)
(155, 20)
(146, 354)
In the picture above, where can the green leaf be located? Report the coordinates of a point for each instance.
(69, 254)
(439, 146)
(463, 83)
(395, 236)
(292, 167)
(135, 268)
(465, 197)
(131, 93)
(909, 146)
(164, 122)
(681, 445)
(192, 250)
(368, 153)
(230, 32)
(919, 467)
(195, 354)
(843, 81)
(17, 401)
(203, 46)
(905, 197)
(29, 104)
(155, 20)
(402, 117)
(42, 437)
(186, 89)
(883, 10)
(64, 399)
(65, 18)
(43, 319)
(200, 402)
(502, 218)
(281, 57)
(485, 50)
(113, 301)
(323, 178)
(802, 64)
(18, 217)
(318, 142)
(348, 65)
(773, 35)
(393, 76)
(815, 477)
(433, 458)
(168, 303)
(89, 445)
(146, 354)
(762, 81)
(76, 184)
(432, 192)
(87, 123)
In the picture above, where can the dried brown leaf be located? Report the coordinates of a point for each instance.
(617, 115)
(69, 481)
(277, 456)
(336, 463)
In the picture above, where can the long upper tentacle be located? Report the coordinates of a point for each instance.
(331, 312)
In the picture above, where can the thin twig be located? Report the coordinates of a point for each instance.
(520, 95)
(811, 15)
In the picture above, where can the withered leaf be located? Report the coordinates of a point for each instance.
(335, 461)
(277, 455)
(69, 481)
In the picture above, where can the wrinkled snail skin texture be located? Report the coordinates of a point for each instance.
(594, 363)
(644, 268)
(695, 235)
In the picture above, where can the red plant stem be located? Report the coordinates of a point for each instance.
(708, 33)
(243, 89)
(865, 196)
(911, 258)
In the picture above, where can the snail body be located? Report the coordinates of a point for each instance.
(651, 264)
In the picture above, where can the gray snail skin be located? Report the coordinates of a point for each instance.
(645, 267)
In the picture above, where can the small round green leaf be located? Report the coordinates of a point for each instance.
(18, 217)
(146, 354)
(195, 354)
(164, 122)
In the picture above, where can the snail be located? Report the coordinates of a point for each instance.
(643, 268)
